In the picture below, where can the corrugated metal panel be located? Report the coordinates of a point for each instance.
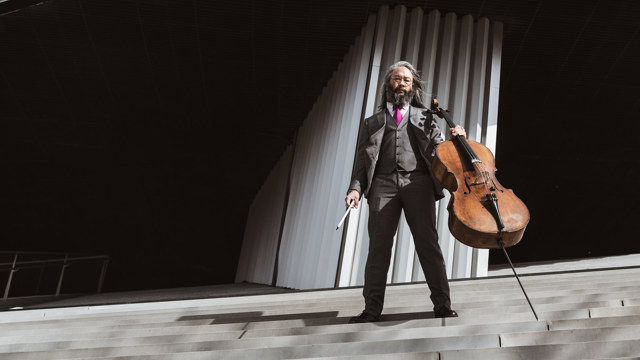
(456, 55)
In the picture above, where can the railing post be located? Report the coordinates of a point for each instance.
(40, 280)
(64, 266)
(103, 273)
(13, 269)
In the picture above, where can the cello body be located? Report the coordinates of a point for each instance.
(482, 212)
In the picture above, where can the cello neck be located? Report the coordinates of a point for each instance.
(443, 113)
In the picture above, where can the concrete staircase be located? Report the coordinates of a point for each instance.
(592, 314)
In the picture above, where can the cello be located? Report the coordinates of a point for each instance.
(482, 212)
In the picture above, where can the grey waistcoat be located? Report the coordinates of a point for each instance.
(398, 148)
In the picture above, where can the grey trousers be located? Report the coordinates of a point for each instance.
(389, 194)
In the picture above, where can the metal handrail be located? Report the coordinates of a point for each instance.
(80, 258)
(16, 265)
(8, 252)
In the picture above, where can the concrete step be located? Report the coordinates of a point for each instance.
(399, 356)
(283, 352)
(595, 350)
(484, 347)
(355, 306)
(476, 287)
(429, 328)
(589, 350)
(206, 356)
(571, 336)
(279, 320)
(265, 300)
(621, 311)
(631, 301)
(578, 311)
(81, 334)
(590, 264)
(594, 322)
(541, 281)
(120, 328)
(409, 356)
(214, 316)
(348, 334)
(189, 346)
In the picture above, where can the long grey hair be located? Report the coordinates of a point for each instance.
(415, 97)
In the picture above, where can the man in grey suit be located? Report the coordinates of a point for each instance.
(393, 170)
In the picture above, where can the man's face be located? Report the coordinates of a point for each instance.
(401, 81)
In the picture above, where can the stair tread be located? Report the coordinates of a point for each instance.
(577, 312)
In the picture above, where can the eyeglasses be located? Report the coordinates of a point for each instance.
(398, 79)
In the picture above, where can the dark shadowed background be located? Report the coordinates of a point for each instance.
(143, 129)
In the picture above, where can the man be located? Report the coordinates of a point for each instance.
(393, 170)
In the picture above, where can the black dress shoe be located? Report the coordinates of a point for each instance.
(364, 317)
(446, 312)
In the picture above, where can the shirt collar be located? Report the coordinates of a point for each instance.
(391, 109)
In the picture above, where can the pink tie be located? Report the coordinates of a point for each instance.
(398, 116)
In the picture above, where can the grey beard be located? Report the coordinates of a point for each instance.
(399, 100)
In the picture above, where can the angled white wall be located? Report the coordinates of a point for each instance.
(459, 58)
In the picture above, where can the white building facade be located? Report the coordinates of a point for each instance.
(290, 238)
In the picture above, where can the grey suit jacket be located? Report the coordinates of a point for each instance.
(427, 133)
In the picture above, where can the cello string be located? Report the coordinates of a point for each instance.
(480, 169)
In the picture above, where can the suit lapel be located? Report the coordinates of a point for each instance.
(376, 128)
(419, 122)
(378, 122)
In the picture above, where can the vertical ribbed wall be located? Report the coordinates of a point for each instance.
(262, 230)
(459, 59)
